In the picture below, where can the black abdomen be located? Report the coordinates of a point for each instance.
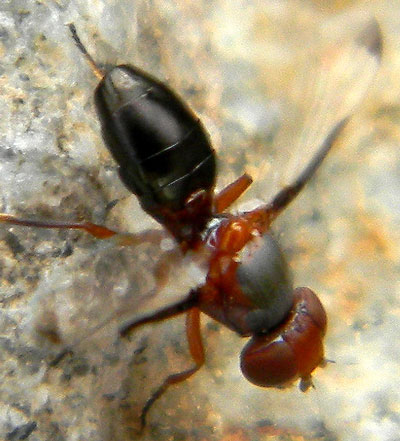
(162, 149)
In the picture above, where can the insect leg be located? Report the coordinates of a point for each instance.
(131, 239)
(229, 194)
(266, 214)
(196, 351)
(95, 230)
(98, 231)
(288, 193)
(169, 311)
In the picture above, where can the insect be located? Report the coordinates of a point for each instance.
(165, 158)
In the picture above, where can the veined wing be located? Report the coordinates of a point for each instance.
(88, 296)
(335, 84)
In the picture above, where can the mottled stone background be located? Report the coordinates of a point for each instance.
(233, 61)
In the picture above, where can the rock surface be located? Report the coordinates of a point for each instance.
(233, 61)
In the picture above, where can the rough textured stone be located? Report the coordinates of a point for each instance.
(233, 61)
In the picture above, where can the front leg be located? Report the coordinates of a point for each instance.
(170, 311)
(98, 231)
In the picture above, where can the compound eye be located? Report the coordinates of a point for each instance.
(293, 350)
(268, 363)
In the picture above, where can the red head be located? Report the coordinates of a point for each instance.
(293, 350)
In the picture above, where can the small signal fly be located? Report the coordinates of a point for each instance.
(165, 158)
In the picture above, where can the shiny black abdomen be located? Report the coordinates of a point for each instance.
(162, 150)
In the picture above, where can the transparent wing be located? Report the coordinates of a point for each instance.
(333, 85)
(88, 296)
